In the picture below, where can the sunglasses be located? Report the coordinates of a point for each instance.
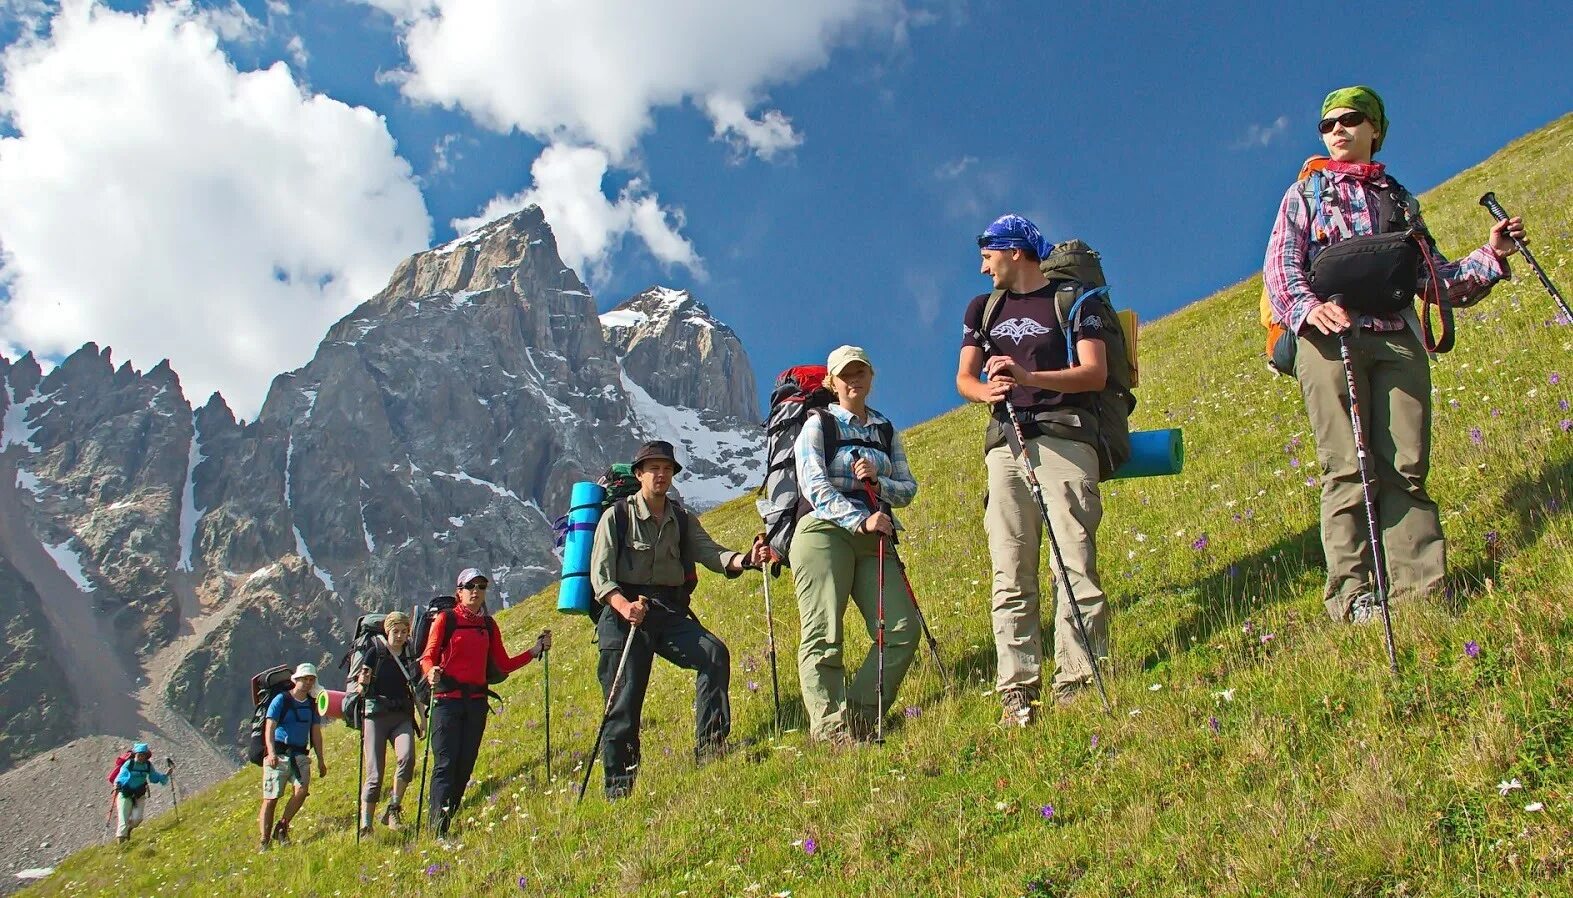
(478, 587)
(1349, 119)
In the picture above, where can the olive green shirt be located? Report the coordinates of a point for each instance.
(652, 556)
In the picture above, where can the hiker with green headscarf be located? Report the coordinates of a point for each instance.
(1317, 298)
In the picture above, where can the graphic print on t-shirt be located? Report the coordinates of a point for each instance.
(1016, 329)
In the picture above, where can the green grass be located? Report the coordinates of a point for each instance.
(1319, 775)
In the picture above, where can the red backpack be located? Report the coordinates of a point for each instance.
(120, 761)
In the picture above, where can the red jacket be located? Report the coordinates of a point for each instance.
(464, 661)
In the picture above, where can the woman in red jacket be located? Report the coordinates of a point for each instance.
(463, 644)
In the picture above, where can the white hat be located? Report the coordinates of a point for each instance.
(305, 669)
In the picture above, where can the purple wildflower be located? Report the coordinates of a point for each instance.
(1200, 543)
(1564, 405)
(1248, 628)
(1267, 637)
(1047, 811)
(1472, 649)
(1212, 723)
(1452, 403)
(1555, 378)
(1496, 413)
(753, 686)
(1310, 481)
(913, 711)
(810, 846)
(1475, 436)
(1094, 740)
(435, 869)
(1492, 537)
(1565, 424)
(1294, 463)
(523, 883)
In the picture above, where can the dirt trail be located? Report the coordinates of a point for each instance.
(54, 803)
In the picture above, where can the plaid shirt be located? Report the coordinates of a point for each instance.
(1294, 245)
(837, 496)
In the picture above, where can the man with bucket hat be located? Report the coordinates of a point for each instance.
(293, 729)
(642, 567)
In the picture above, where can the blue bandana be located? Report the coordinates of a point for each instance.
(1014, 232)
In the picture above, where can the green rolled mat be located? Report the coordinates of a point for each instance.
(1154, 453)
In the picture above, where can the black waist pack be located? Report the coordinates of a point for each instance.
(1376, 275)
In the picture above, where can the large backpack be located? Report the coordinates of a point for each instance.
(799, 392)
(619, 482)
(1080, 290)
(1395, 208)
(369, 629)
(120, 761)
(424, 617)
(264, 686)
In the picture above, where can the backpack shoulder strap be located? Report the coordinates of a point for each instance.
(830, 435)
(1068, 301)
(620, 515)
(991, 310)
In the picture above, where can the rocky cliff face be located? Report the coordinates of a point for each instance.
(440, 425)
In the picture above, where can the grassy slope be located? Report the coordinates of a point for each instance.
(1321, 776)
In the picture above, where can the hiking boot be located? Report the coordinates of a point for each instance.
(123, 839)
(1017, 708)
(711, 751)
(391, 818)
(264, 846)
(281, 834)
(861, 724)
(1365, 608)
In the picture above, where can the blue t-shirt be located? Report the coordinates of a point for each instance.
(293, 720)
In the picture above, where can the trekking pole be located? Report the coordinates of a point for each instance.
(879, 631)
(770, 640)
(928, 634)
(420, 801)
(546, 661)
(174, 793)
(1378, 557)
(1500, 214)
(361, 818)
(1059, 561)
(611, 696)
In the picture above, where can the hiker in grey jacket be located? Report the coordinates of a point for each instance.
(384, 678)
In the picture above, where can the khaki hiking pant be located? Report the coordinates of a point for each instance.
(829, 565)
(1068, 472)
(1393, 380)
(128, 813)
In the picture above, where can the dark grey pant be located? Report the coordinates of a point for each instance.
(457, 725)
(681, 640)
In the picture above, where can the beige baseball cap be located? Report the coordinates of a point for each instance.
(842, 356)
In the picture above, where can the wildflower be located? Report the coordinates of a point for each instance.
(1475, 436)
(435, 869)
(1247, 629)
(523, 883)
(1491, 538)
(1564, 405)
(1094, 741)
(753, 686)
(1200, 543)
(810, 846)
(1135, 712)
(1472, 649)
(1555, 378)
(1155, 687)
(1452, 403)
(1267, 637)
(1534, 806)
(1212, 723)
(1506, 786)
(1565, 424)
(1496, 413)
(1047, 811)
(1225, 694)
(913, 711)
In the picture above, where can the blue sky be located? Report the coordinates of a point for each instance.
(1163, 135)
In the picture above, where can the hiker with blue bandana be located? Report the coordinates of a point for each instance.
(131, 789)
(1345, 219)
(1021, 357)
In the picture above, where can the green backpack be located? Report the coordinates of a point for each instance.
(1080, 288)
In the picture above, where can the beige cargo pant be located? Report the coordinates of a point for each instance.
(1393, 381)
(1068, 473)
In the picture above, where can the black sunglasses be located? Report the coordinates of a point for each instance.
(1350, 119)
(478, 587)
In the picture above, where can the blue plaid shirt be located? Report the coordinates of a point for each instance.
(837, 496)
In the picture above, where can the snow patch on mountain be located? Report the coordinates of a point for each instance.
(736, 450)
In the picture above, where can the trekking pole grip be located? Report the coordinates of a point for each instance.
(1489, 200)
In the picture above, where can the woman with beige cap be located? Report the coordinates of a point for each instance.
(844, 450)
(383, 676)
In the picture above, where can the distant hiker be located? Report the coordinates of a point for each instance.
(836, 554)
(1355, 199)
(293, 729)
(642, 567)
(1022, 348)
(130, 788)
(463, 644)
(383, 676)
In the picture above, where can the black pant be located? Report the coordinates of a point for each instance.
(682, 640)
(457, 725)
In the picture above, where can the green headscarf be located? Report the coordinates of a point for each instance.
(1367, 101)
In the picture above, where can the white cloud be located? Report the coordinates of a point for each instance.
(587, 225)
(767, 136)
(1263, 135)
(592, 71)
(297, 52)
(955, 168)
(162, 202)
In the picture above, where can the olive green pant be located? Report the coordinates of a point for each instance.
(830, 564)
(1068, 473)
(1393, 383)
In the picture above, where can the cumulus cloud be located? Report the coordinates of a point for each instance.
(589, 227)
(159, 200)
(591, 73)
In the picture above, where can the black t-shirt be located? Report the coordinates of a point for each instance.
(1027, 328)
